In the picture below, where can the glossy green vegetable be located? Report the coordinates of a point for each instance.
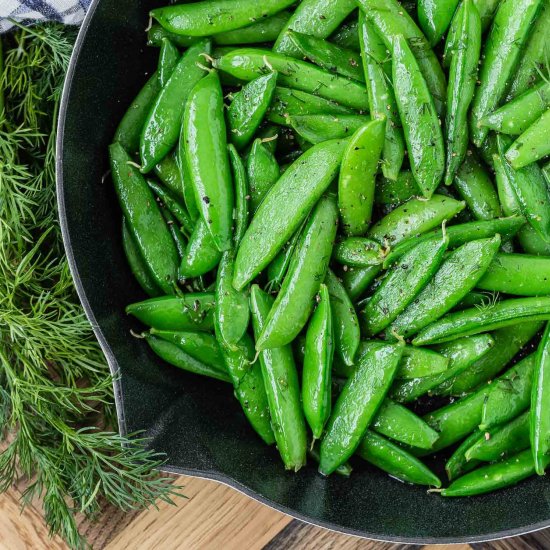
(173, 205)
(501, 53)
(162, 126)
(285, 207)
(282, 388)
(306, 272)
(532, 145)
(313, 452)
(458, 464)
(357, 280)
(540, 405)
(457, 275)
(357, 405)
(358, 252)
(207, 159)
(319, 128)
(263, 172)
(168, 172)
(421, 125)
(402, 284)
(434, 17)
(317, 369)
(240, 180)
(168, 59)
(248, 108)
(145, 220)
(392, 193)
(188, 190)
(279, 266)
(201, 255)
(214, 16)
(247, 64)
(178, 236)
(347, 36)
(358, 176)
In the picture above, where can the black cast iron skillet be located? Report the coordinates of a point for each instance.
(197, 422)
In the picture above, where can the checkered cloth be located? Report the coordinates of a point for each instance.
(28, 12)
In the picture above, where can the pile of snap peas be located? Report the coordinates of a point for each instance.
(341, 209)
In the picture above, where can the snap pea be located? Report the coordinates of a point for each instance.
(461, 354)
(357, 179)
(263, 172)
(176, 232)
(145, 220)
(315, 17)
(357, 279)
(207, 159)
(462, 82)
(493, 477)
(168, 59)
(168, 172)
(343, 470)
(285, 207)
(316, 374)
(173, 205)
(540, 405)
(421, 125)
(518, 114)
(501, 53)
(330, 57)
(345, 323)
(503, 441)
(510, 395)
(358, 252)
(377, 69)
(188, 190)
(177, 357)
(458, 464)
(128, 132)
(357, 404)
(435, 17)
(474, 298)
(476, 188)
(414, 217)
(458, 274)
(215, 16)
(347, 36)
(532, 145)
(240, 180)
(247, 64)
(138, 267)
(402, 284)
(279, 266)
(392, 193)
(306, 272)
(201, 255)
(162, 126)
(187, 312)
(282, 388)
(248, 108)
(395, 461)
(391, 20)
(319, 128)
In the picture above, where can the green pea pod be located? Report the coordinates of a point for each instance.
(415, 217)
(358, 177)
(248, 63)
(540, 405)
(508, 342)
(248, 108)
(357, 405)
(510, 395)
(207, 159)
(344, 470)
(287, 103)
(501, 442)
(173, 205)
(461, 354)
(279, 266)
(138, 267)
(476, 188)
(458, 464)
(282, 388)
(315, 17)
(145, 220)
(395, 461)
(391, 20)
(458, 274)
(162, 126)
(357, 280)
(474, 298)
(377, 69)
(179, 358)
(177, 233)
(392, 193)
(306, 272)
(168, 59)
(263, 172)
(331, 57)
(517, 115)
(318, 128)
(345, 323)
(400, 424)
(493, 477)
(532, 145)
(285, 207)
(215, 16)
(316, 374)
(462, 83)
(188, 191)
(435, 17)
(128, 132)
(402, 284)
(168, 172)
(358, 252)
(501, 53)
(347, 36)
(201, 255)
(241, 194)
(187, 312)
(421, 125)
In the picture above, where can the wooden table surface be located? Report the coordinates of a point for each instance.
(212, 516)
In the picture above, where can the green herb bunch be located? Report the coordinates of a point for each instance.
(56, 400)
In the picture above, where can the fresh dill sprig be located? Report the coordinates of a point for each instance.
(56, 399)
